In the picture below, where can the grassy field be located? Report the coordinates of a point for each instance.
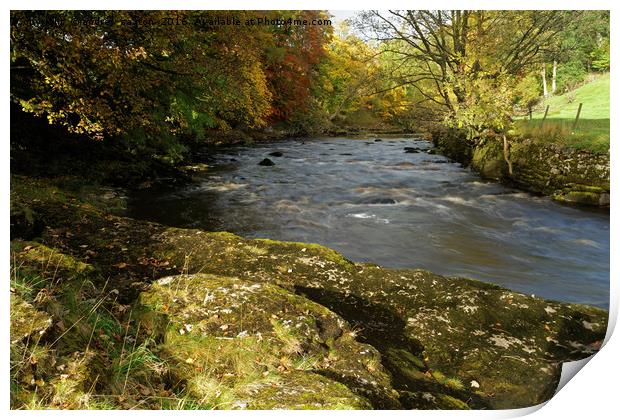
(592, 130)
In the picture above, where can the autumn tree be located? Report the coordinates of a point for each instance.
(157, 77)
(448, 55)
(292, 61)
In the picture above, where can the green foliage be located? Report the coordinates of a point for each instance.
(584, 39)
(528, 91)
(570, 76)
(346, 75)
(487, 107)
(600, 56)
(468, 67)
(159, 86)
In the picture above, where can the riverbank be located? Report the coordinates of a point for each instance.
(564, 174)
(132, 314)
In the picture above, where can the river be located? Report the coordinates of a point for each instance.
(374, 202)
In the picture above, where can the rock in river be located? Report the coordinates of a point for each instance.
(266, 162)
(379, 200)
(277, 153)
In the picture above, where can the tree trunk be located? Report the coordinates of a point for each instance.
(507, 155)
(553, 85)
(544, 80)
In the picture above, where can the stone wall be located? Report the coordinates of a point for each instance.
(567, 175)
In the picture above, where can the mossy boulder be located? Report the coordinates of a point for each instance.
(237, 343)
(488, 160)
(509, 344)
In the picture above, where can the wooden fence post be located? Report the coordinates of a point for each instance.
(545, 116)
(577, 117)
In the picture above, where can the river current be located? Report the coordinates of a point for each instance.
(374, 201)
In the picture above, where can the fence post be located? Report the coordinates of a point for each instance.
(577, 117)
(545, 116)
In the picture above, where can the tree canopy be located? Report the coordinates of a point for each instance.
(158, 79)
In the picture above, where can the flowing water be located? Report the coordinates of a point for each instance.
(374, 202)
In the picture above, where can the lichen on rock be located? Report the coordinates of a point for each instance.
(236, 336)
(510, 344)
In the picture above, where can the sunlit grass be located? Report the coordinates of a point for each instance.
(591, 132)
(594, 96)
(592, 135)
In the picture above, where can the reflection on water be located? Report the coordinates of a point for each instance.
(372, 201)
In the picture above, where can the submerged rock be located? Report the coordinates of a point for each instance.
(276, 154)
(266, 162)
(379, 200)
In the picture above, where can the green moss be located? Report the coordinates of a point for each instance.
(207, 341)
(36, 255)
(26, 321)
(223, 335)
(307, 391)
(310, 249)
(488, 159)
(450, 403)
(424, 400)
(580, 197)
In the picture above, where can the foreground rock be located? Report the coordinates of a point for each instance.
(243, 344)
(437, 335)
